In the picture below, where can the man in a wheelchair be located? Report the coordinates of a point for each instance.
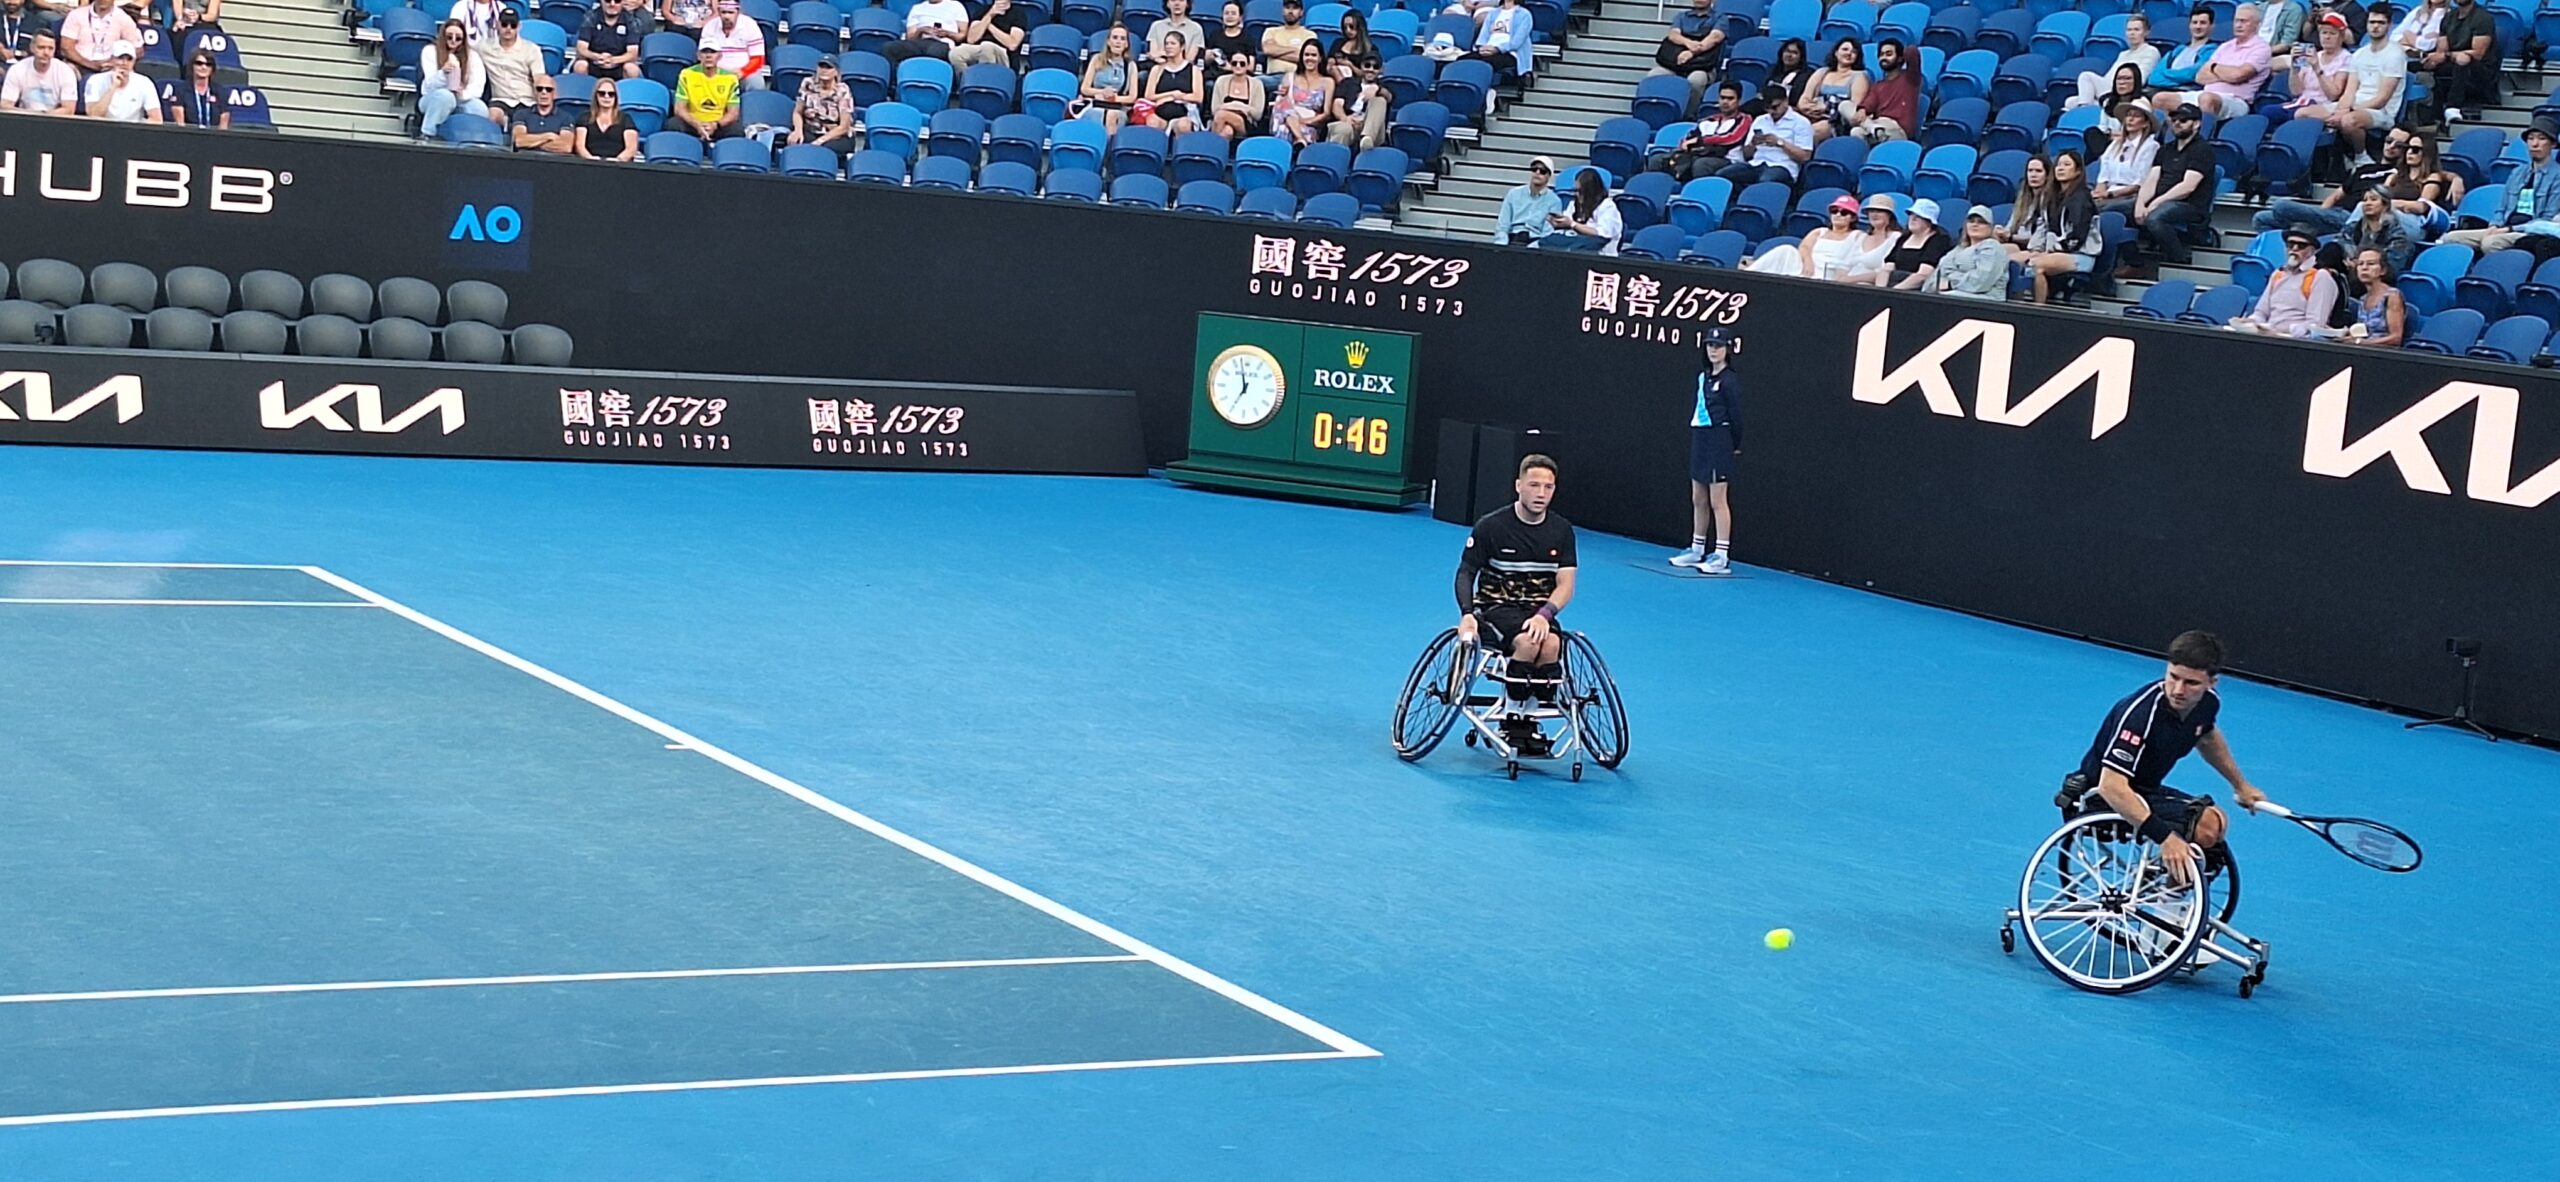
(2143, 737)
(1516, 574)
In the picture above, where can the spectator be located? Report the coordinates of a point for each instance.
(2123, 94)
(606, 133)
(1891, 110)
(707, 96)
(1707, 148)
(2381, 83)
(512, 63)
(1781, 141)
(2323, 77)
(1355, 42)
(609, 44)
(2382, 316)
(2283, 22)
(2333, 212)
(200, 102)
(2122, 166)
(1281, 42)
(2533, 193)
(2421, 30)
(544, 126)
(2235, 72)
(120, 94)
(1526, 208)
(18, 28)
(1111, 80)
(90, 33)
(1833, 92)
(1914, 261)
(2424, 189)
(41, 83)
(1238, 105)
(191, 17)
(2465, 68)
(933, 27)
(2026, 206)
(741, 41)
(1502, 40)
(1692, 48)
(1590, 222)
(1791, 72)
(1174, 92)
(1825, 254)
(2177, 70)
(1360, 110)
(1176, 19)
(2299, 298)
(1306, 98)
(991, 39)
(1872, 263)
(2138, 53)
(480, 20)
(684, 16)
(823, 114)
(1979, 269)
(2065, 239)
(2177, 193)
(2377, 227)
(1231, 38)
(450, 79)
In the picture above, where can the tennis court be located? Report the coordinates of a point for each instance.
(381, 807)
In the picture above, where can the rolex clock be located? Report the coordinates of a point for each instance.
(1309, 410)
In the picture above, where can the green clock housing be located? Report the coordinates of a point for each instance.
(1306, 410)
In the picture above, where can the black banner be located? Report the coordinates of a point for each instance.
(2336, 513)
(136, 399)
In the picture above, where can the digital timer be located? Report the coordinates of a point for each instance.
(1312, 410)
(1367, 435)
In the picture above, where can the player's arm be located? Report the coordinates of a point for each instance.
(1470, 565)
(2120, 796)
(1544, 621)
(2217, 752)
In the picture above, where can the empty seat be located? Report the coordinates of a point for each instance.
(201, 288)
(272, 292)
(184, 329)
(25, 322)
(342, 295)
(97, 326)
(541, 344)
(328, 334)
(398, 338)
(51, 282)
(469, 342)
(129, 286)
(252, 331)
(477, 299)
(412, 297)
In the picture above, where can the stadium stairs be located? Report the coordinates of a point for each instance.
(1592, 79)
(317, 81)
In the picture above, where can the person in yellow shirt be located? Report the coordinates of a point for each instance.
(707, 97)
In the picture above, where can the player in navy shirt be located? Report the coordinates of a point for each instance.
(2145, 735)
(1516, 574)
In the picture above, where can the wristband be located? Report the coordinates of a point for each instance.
(1548, 610)
(2155, 830)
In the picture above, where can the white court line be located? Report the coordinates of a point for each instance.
(1343, 1045)
(57, 1118)
(799, 970)
(187, 602)
(155, 565)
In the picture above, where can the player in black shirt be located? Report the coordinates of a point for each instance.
(1516, 574)
(2145, 735)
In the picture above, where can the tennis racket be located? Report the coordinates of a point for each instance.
(2370, 842)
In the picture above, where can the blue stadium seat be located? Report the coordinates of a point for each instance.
(1338, 210)
(1054, 47)
(893, 127)
(1078, 143)
(1795, 18)
(1747, 62)
(1205, 196)
(1956, 121)
(2021, 79)
(1889, 168)
(2539, 295)
(406, 33)
(2427, 284)
(1954, 30)
(2060, 35)
(662, 57)
(1812, 212)
(1646, 200)
(2263, 255)
(1421, 129)
(924, 83)
(1719, 248)
(1462, 88)
(1046, 93)
(2485, 205)
(1199, 156)
(1262, 162)
(1834, 164)
(1393, 30)
(1137, 149)
(943, 172)
(1662, 242)
(2006, 34)
(1699, 206)
(870, 30)
(1740, 18)
(2451, 333)
(810, 160)
(1142, 189)
(1943, 172)
(1857, 22)
(2215, 308)
(2489, 287)
(2236, 143)
(1086, 17)
(1408, 79)
(873, 166)
(2017, 127)
(2472, 152)
(1660, 100)
(1273, 203)
(792, 65)
(771, 108)
(987, 89)
(224, 47)
(646, 102)
(1757, 211)
(956, 132)
(1017, 138)
(1320, 168)
(2106, 36)
(866, 74)
(249, 110)
(665, 147)
(2163, 300)
(465, 130)
(2071, 130)
(2513, 340)
(1907, 22)
(1619, 144)
(741, 155)
(813, 24)
(1995, 178)
(551, 39)
(1009, 176)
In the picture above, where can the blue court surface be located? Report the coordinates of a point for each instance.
(384, 819)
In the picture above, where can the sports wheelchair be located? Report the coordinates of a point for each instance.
(1456, 677)
(2101, 910)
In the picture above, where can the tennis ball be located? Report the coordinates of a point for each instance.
(1779, 939)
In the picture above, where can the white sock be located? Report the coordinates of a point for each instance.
(1698, 542)
(1722, 545)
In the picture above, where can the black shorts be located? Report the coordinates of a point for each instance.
(1498, 624)
(2174, 808)
(1711, 459)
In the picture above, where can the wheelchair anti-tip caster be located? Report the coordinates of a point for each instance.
(2008, 940)
(1470, 738)
(1577, 771)
(1512, 768)
(2249, 983)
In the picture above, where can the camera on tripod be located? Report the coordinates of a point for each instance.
(2465, 647)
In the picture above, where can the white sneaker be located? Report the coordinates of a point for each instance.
(2452, 114)
(1690, 557)
(1715, 564)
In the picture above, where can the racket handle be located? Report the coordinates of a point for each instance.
(2272, 809)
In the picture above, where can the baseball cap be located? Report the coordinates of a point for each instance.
(1718, 336)
(1542, 163)
(1844, 203)
(507, 16)
(2333, 20)
(1925, 208)
(2187, 111)
(1978, 213)
(2298, 234)
(121, 49)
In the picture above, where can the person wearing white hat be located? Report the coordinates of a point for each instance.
(1523, 219)
(1915, 259)
(91, 32)
(120, 94)
(1978, 269)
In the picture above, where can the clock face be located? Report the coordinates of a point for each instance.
(1246, 386)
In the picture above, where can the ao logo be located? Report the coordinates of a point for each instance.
(500, 224)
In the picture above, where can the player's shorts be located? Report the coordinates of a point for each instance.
(1711, 459)
(2174, 808)
(1498, 624)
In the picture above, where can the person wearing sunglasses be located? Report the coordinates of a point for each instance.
(1237, 101)
(544, 126)
(1525, 209)
(511, 63)
(451, 80)
(200, 102)
(2300, 297)
(606, 133)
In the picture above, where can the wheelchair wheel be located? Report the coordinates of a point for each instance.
(1432, 695)
(2102, 912)
(1597, 712)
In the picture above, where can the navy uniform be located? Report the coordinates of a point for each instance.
(1715, 426)
(2141, 740)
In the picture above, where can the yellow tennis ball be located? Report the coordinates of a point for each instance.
(1779, 939)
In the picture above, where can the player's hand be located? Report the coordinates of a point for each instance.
(1536, 628)
(1467, 629)
(2179, 857)
(2249, 796)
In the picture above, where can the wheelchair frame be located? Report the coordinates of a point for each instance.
(2112, 892)
(1445, 685)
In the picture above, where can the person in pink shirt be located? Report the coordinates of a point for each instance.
(91, 32)
(2235, 73)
